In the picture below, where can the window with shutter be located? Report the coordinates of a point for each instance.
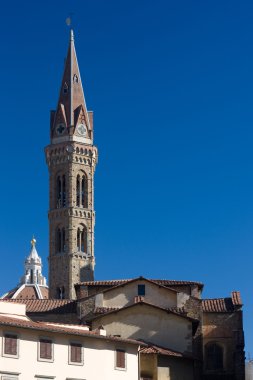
(76, 353)
(10, 344)
(120, 359)
(45, 349)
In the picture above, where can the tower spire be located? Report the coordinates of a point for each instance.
(71, 108)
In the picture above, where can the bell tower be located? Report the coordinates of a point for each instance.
(71, 158)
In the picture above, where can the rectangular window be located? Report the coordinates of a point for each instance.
(76, 353)
(141, 290)
(120, 359)
(46, 349)
(10, 344)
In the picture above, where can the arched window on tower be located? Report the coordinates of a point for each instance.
(213, 356)
(60, 293)
(82, 190)
(60, 244)
(61, 195)
(81, 239)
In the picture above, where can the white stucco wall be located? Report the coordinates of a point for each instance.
(151, 325)
(124, 295)
(98, 363)
(10, 309)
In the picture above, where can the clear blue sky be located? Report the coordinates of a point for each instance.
(170, 84)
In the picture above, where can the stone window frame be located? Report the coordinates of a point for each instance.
(60, 246)
(9, 332)
(82, 189)
(120, 349)
(60, 189)
(39, 359)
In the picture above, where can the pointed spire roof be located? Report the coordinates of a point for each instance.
(33, 253)
(71, 97)
(33, 268)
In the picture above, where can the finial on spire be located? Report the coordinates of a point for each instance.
(68, 21)
(33, 241)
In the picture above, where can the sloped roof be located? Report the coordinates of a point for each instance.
(110, 288)
(47, 305)
(104, 310)
(177, 311)
(222, 305)
(43, 326)
(153, 349)
(124, 281)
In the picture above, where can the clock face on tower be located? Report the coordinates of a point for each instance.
(82, 130)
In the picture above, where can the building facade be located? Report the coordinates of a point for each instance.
(31, 350)
(189, 337)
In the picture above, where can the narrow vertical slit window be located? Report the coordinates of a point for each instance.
(84, 191)
(82, 241)
(78, 191)
(63, 191)
(63, 240)
(58, 192)
(58, 240)
(78, 238)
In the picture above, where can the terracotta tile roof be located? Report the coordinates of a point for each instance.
(174, 310)
(142, 279)
(103, 283)
(47, 305)
(236, 298)
(222, 305)
(27, 292)
(42, 326)
(121, 282)
(178, 282)
(104, 310)
(151, 349)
